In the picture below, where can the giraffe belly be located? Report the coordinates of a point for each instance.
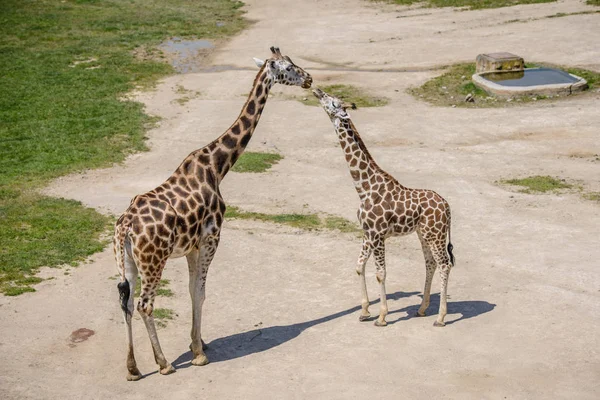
(401, 230)
(182, 247)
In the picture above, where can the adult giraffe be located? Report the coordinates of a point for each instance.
(390, 209)
(183, 216)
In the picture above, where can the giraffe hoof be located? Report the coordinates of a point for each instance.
(134, 377)
(364, 318)
(439, 324)
(200, 360)
(380, 323)
(169, 369)
(418, 314)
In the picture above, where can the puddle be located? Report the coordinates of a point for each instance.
(531, 77)
(184, 54)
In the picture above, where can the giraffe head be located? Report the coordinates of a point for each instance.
(281, 69)
(333, 106)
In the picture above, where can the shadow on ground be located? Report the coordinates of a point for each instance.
(262, 339)
(467, 309)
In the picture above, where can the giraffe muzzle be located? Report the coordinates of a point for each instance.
(307, 82)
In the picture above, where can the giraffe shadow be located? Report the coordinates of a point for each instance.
(467, 309)
(263, 339)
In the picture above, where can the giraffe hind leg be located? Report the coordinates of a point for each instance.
(430, 267)
(442, 259)
(126, 294)
(145, 308)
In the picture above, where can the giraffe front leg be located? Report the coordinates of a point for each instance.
(360, 270)
(380, 273)
(198, 263)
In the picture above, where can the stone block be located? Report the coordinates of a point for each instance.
(499, 62)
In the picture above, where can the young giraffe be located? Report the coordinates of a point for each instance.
(390, 209)
(183, 216)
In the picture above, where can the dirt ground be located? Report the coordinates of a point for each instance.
(281, 316)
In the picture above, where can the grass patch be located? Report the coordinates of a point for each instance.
(162, 315)
(593, 196)
(340, 224)
(65, 69)
(256, 162)
(41, 231)
(307, 222)
(162, 289)
(350, 94)
(593, 2)
(451, 88)
(538, 184)
(470, 4)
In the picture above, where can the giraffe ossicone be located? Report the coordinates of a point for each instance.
(183, 217)
(389, 209)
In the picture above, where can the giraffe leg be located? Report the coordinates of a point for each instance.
(379, 252)
(360, 270)
(130, 274)
(198, 263)
(443, 261)
(145, 308)
(430, 267)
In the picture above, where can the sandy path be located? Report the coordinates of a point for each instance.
(281, 314)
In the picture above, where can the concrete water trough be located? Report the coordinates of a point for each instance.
(530, 82)
(504, 75)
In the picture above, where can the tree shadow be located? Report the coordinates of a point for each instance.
(467, 309)
(262, 339)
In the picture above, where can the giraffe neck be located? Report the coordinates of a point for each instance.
(363, 168)
(228, 147)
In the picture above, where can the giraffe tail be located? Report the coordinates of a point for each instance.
(450, 247)
(119, 240)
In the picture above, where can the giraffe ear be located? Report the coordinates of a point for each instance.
(259, 62)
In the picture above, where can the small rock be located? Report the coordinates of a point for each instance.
(453, 105)
(444, 87)
(463, 77)
(509, 100)
(306, 98)
(220, 24)
(534, 98)
(470, 98)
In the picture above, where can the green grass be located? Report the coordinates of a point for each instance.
(256, 162)
(538, 184)
(451, 88)
(65, 68)
(41, 231)
(350, 94)
(593, 196)
(162, 315)
(470, 4)
(593, 2)
(162, 289)
(303, 221)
